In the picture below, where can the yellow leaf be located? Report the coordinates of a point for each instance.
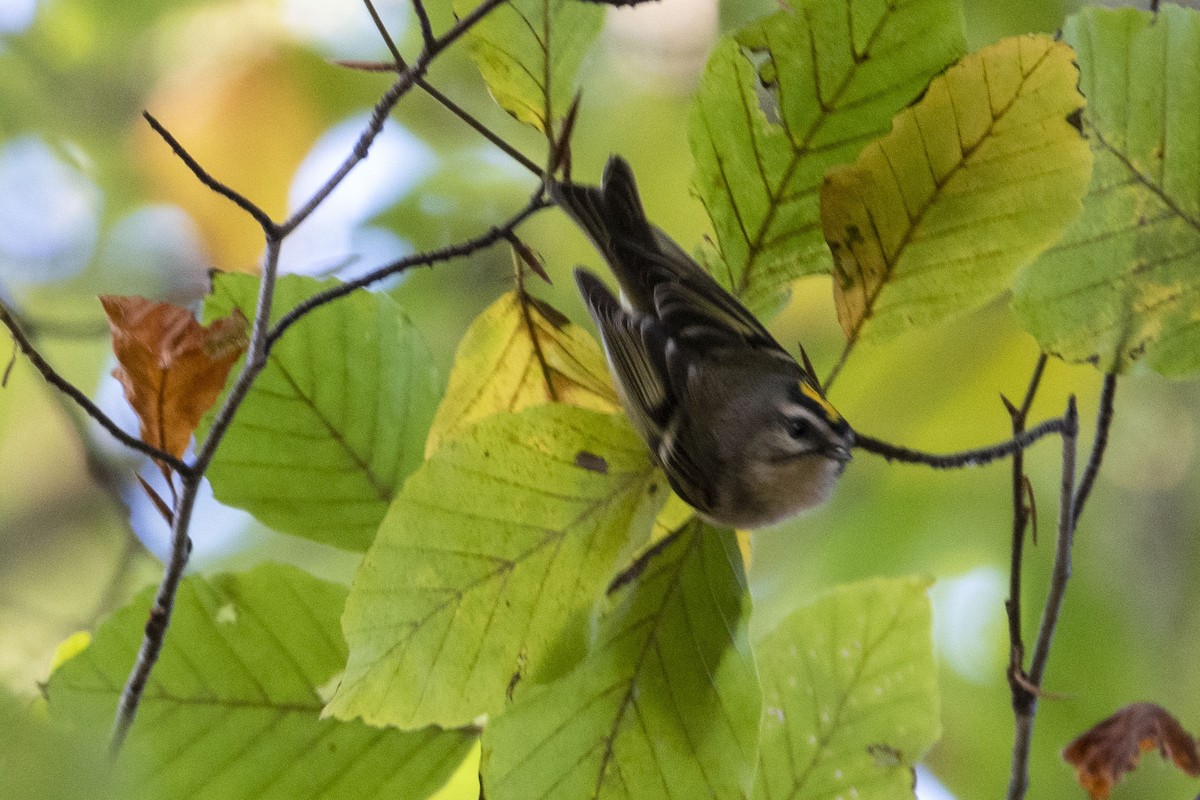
(519, 353)
(974, 181)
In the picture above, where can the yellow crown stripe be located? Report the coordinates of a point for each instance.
(812, 394)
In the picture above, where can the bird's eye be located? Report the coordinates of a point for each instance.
(799, 428)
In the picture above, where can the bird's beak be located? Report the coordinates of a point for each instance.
(839, 452)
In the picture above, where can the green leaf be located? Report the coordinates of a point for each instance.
(973, 182)
(849, 694)
(488, 563)
(666, 704)
(529, 52)
(232, 709)
(335, 422)
(520, 353)
(788, 97)
(1122, 283)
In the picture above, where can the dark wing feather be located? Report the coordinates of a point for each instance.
(636, 348)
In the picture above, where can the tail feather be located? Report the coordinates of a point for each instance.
(613, 218)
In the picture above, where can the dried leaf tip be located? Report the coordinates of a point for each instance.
(1103, 754)
(172, 367)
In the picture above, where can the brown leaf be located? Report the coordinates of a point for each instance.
(172, 367)
(1113, 747)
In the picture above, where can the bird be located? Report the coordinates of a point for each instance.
(742, 431)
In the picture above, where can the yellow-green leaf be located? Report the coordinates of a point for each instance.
(973, 182)
(519, 353)
(529, 52)
(850, 699)
(786, 98)
(486, 567)
(1123, 283)
(666, 704)
(232, 710)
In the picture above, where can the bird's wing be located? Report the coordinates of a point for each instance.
(636, 348)
(707, 318)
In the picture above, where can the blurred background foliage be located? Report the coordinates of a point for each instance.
(92, 201)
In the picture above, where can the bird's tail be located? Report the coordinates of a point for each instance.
(613, 218)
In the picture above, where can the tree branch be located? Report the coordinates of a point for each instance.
(1104, 418)
(1017, 680)
(436, 94)
(384, 107)
(966, 458)
(240, 200)
(25, 345)
(260, 343)
(423, 21)
(536, 203)
(1023, 735)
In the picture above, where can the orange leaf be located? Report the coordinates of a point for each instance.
(172, 367)
(1113, 747)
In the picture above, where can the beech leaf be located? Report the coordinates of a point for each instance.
(786, 98)
(1114, 746)
(973, 182)
(520, 353)
(172, 367)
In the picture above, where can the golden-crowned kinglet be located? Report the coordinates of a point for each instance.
(743, 432)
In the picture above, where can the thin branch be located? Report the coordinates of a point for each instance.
(1023, 735)
(423, 21)
(261, 338)
(1104, 417)
(966, 458)
(25, 345)
(160, 617)
(427, 259)
(454, 108)
(384, 107)
(181, 544)
(240, 200)
(1022, 511)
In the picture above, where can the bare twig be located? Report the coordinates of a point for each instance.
(384, 107)
(423, 21)
(966, 458)
(260, 343)
(238, 199)
(398, 65)
(181, 544)
(1019, 684)
(1104, 418)
(427, 259)
(1023, 735)
(82, 400)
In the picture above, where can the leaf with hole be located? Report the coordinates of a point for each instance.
(666, 703)
(488, 564)
(786, 98)
(1122, 285)
(336, 420)
(850, 699)
(529, 52)
(519, 353)
(232, 709)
